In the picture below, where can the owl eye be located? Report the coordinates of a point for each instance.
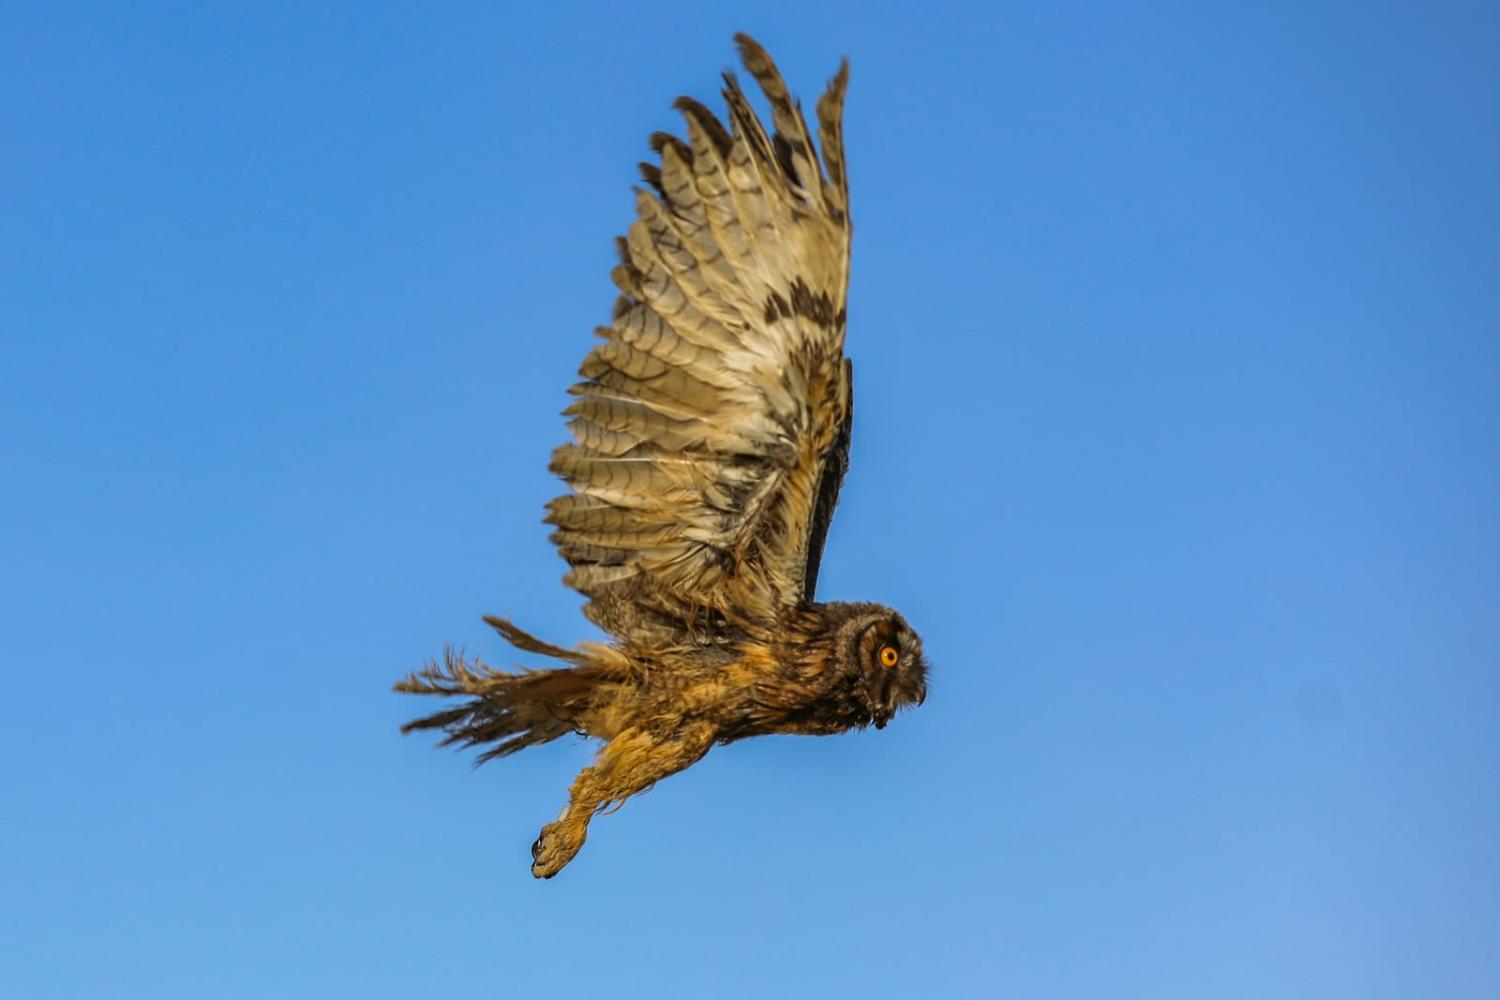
(888, 656)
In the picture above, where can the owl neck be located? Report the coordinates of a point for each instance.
(815, 686)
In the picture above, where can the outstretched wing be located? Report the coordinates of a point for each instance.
(711, 426)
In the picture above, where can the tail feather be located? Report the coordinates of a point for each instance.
(525, 640)
(511, 710)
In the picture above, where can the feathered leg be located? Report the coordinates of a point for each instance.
(631, 762)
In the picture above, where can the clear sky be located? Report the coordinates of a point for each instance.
(1177, 330)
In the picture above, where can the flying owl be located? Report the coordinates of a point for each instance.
(711, 436)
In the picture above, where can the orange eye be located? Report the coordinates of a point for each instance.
(889, 656)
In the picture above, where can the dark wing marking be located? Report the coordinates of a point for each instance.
(835, 465)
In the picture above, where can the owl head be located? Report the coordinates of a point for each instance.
(885, 655)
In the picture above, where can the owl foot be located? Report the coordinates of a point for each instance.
(555, 846)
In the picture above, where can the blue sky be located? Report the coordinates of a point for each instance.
(1176, 332)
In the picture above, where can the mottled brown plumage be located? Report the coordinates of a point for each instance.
(711, 434)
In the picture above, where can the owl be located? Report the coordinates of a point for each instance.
(710, 439)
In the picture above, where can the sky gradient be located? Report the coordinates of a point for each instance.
(1177, 337)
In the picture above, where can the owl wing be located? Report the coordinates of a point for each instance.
(711, 426)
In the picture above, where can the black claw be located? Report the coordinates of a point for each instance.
(536, 848)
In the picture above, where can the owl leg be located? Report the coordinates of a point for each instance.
(631, 762)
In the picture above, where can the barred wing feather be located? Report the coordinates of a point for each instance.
(711, 425)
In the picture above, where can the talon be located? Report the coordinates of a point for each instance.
(554, 848)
